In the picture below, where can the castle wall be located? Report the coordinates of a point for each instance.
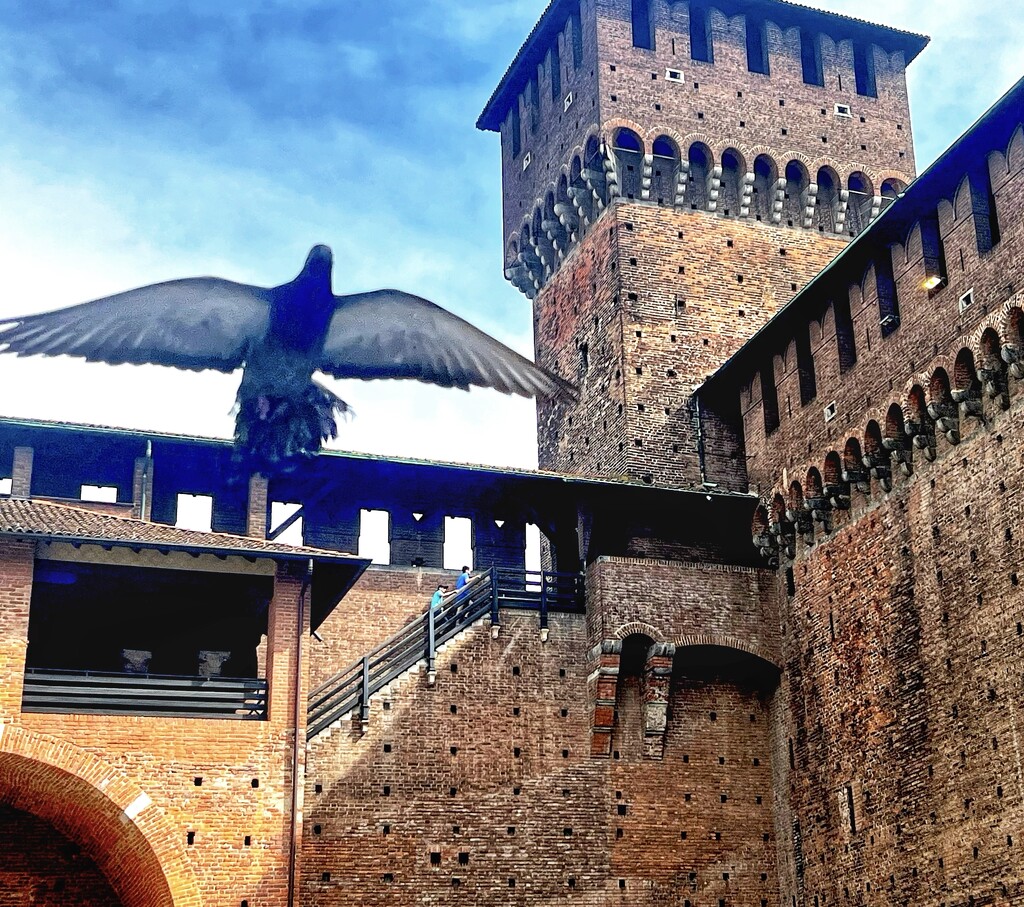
(896, 526)
(723, 104)
(491, 770)
(38, 862)
(659, 297)
(202, 804)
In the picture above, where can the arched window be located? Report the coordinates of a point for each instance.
(846, 341)
(888, 297)
(664, 171)
(629, 155)
(828, 200)
(766, 175)
(864, 69)
(983, 208)
(805, 365)
(862, 197)
(796, 184)
(890, 191)
(699, 157)
(769, 397)
(731, 192)
(810, 57)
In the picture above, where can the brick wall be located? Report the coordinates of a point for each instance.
(491, 769)
(660, 297)
(40, 866)
(383, 601)
(221, 790)
(683, 603)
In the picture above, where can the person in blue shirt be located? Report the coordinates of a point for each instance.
(438, 596)
(463, 579)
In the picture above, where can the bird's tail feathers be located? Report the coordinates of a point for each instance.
(274, 433)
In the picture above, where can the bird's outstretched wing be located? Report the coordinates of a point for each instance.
(390, 334)
(196, 323)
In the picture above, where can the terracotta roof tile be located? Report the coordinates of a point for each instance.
(24, 518)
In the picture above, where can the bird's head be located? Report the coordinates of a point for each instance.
(318, 264)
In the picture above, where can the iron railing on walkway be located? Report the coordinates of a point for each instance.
(169, 696)
(418, 640)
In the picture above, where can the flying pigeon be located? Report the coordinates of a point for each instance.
(279, 336)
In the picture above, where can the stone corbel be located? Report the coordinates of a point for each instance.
(808, 199)
(746, 191)
(657, 685)
(604, 683)
(841, 209)
(779, 203)
(714, 186)
(646, 176)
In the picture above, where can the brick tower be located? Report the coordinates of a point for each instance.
(673, 172)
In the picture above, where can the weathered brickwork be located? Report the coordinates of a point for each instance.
(895, 525)
(383, 601)
(640, 315)
(212, 797)
(491, 769)
(684, 604)
(39, 866)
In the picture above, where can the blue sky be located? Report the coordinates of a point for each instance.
(145, 140)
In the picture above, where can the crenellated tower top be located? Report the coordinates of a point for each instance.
(759, 109)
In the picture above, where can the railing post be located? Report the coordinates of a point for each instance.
(495, 620)
(431, 645)
(364, 705)
(544, 607)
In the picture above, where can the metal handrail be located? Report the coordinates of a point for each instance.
(416, 641)
(352, 687)
(62, 691)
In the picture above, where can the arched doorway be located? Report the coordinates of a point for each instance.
(42, 867)
(75, 800)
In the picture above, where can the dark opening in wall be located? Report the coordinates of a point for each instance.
(515, 128)
(757, 47)
(810, 58)
(983, 207)
(769, 398)
(643, 27)
(934, 254)
(556, 73)
(888, 299)
(805, 366)
(864, 70)
(849, 808)
(576, 26)
(845, 339)
(701, 45)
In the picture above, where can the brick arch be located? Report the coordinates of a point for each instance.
(638, 627)
(613, 126)
(1004, 328)
(880, 176)
(694, 137)
(668, 132)
(824, 161)
(786, 156)
(99, 808)
(727, 642)
(755, 151)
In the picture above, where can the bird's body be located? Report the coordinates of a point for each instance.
(280, 336)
